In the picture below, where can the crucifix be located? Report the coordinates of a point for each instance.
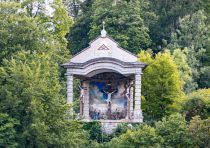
(109, 102)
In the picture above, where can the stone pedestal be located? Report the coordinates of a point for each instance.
(108, 127)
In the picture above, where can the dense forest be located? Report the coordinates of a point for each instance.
(171, 36)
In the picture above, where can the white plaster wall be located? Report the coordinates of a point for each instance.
(114, 51)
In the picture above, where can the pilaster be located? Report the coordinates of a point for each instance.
(138, 117)
(69, 88)
(86, 101)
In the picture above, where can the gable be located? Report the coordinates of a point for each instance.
(104, 47)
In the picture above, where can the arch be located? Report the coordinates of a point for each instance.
(99, 65)
(98, 71)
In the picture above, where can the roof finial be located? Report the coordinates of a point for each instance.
(103, 32)
(103, 25)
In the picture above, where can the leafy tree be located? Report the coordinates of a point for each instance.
(161, 87)
(197, 103)
(193, 34)
(131, 21)
(180, 58)
(32, 46)
(20, 31)
(7, 131)
(169, 12)
(96, 135)
(95, 131)
(144, 137)
(199, 132)
(31, 93)
(121, 26)
(78, 36)
(173, 130)
(61, 21)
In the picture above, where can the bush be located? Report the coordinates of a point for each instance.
(197, 103)
(173, 130)
(199, 132)
(7, 131)
(143, 137)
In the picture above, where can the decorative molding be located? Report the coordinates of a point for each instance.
(103, 47)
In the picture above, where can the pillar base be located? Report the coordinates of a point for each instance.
(108, 127)
(137, 116)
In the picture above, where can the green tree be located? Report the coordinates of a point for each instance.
(180, 58)
(31, 87)
(132, 20)
(173, 130)
(199, 132)
(17, 31)
(193, 33)
(123, 25)
(7, 131)
(20, 31)
(197, 103)
(31, 93)
(169, 13)
(143, 137)
(78, 37)
(161, 87)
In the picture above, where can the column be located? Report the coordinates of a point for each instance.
(86, 101)
(131, 100)
(69, 88)
(137, 109)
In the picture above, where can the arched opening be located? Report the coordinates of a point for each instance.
(107, 96)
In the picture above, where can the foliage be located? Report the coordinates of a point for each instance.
(121, 26)
(197, 103)
(7, 131)
(161, 85)
(199, 132)
(121, 129)
(95, 133)
(30, 92)
(173, 130)
(78, 36)
(180, 58)
(143, 137)
(19, 31)
(169, 12)
(193, 33)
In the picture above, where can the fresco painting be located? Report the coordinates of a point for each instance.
(107, 101)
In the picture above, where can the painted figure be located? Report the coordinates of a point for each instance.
(109, 103)
(109, 98)
(128, 86)
(82, 99)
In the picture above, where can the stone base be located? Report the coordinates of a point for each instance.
(137, 116)
(108, 127)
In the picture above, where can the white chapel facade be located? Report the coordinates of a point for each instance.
(110, 82)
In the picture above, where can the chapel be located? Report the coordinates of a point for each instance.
(110, 82)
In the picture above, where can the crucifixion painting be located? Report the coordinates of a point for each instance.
(109, 99)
